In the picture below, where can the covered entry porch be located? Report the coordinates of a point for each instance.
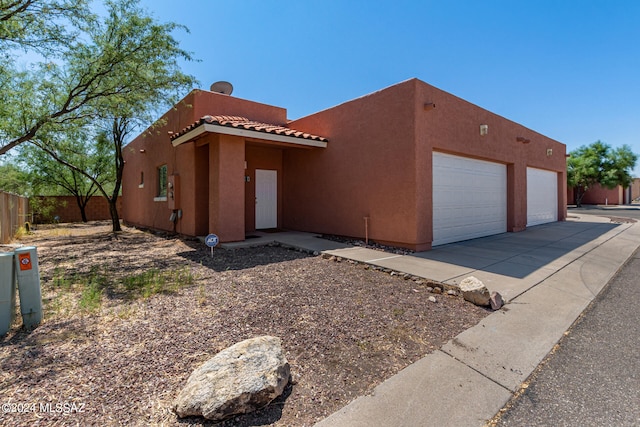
(239, 173)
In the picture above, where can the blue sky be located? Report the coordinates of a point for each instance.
(567, 69)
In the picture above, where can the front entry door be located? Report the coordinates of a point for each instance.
(266, 199)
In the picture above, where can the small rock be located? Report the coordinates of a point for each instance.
(452, 292)
(437, 290)
(326, 256)
(240, 379)
(474, 291)
(496, 300)
(332, 258)
(406, 276)
(316, 253)
(393, 273)
(429, 289)
(432, 299)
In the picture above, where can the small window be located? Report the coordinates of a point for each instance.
(162, 181)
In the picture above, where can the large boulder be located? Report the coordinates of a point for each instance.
(473, 290)
(238, 380)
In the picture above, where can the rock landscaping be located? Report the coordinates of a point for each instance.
(128, 318)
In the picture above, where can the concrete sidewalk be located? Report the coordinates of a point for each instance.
(548, 273)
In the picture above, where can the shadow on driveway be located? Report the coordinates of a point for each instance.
(520, 254)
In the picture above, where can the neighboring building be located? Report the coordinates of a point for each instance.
(413, 165)
(599, 195)
(635, 189)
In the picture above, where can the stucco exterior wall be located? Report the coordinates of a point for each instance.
(599, 195)
(635, 189)
(377, 165)
(367, 170)
(453, 127)
(191, 162)
(390, 137)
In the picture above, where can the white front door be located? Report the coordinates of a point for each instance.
(266, 199)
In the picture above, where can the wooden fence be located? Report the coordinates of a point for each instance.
(13, 213)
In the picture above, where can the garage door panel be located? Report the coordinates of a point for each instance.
(469, 198)
(542, 196)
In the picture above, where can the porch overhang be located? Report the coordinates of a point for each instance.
(240, 126)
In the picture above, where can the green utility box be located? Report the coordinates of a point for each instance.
(28, 277)
(7, 291)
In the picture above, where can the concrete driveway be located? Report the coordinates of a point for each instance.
(508, 263)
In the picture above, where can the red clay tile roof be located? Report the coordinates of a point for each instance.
(244, 123)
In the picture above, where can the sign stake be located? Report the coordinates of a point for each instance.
(212, 241)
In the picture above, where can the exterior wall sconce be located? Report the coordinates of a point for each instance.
(523, 140)
(429, 106)
(484, 129)
(142, 150)
(549, 152)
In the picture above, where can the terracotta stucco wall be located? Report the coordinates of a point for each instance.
(635, 189)
(453, 126)
(379, 163)
(367, 170)
(599, 195)
(226, 187)
(190, 161)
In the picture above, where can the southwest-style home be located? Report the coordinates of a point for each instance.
(409, 165)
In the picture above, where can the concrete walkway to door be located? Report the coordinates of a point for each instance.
(548, 274)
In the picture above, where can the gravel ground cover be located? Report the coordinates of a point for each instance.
(128, 317)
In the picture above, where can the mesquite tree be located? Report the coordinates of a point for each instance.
(119, 69)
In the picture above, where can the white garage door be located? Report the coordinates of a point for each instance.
(542, 196)
(469, 198)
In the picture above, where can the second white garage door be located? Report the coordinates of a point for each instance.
(469, 198)
(542, 196)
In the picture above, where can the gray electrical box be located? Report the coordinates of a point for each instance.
(7, 291)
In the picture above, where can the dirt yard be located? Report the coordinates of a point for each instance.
(127, 318)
